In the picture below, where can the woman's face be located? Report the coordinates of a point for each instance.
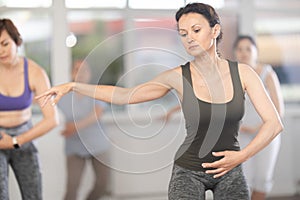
(8, 48)
(196, 34)
(246, 52)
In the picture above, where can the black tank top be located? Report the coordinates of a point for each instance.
(211, 127)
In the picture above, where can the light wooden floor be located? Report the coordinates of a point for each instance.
(164, 198)
(285, 198)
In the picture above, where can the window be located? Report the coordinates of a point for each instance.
(155, 4)
(278, 40)
(26, 4)
(100, 43)
(95, 4)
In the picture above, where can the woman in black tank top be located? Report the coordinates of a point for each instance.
(212, 91)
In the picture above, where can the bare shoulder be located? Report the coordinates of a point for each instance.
(174, 71)
(38, 78)
(245, 69)
(170, 79)
(35, 70)
(247, 74)
(169, 75)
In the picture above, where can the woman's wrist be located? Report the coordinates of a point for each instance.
(15, 142)
(72, 86)
(245, 155)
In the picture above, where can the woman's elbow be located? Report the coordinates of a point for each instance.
(279, 126)
(53, 121)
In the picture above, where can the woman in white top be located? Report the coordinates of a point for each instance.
(259, 169)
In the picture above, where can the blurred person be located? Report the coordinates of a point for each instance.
(20, 80)
(211, 90)
(258, 169)
(84, 138)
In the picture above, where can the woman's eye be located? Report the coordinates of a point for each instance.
(183, 34)
(249, 50)
(197, 30)
(4, 43)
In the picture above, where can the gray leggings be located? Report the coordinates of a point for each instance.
(191, 185)
(25, 165)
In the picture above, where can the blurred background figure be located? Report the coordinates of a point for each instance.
(258, 169)
(84, 137)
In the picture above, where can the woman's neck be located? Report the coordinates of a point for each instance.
(207, 63)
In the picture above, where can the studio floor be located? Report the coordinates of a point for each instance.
(285, 198)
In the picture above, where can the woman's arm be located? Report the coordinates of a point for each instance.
(274, 90)
(39, 83)
(272, 124)
(270, 128)
(148, 91)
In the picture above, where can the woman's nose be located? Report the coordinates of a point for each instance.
(190, 39)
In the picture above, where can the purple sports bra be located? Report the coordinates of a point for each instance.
(21, 102)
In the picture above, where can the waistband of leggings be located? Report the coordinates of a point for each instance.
(15, 127)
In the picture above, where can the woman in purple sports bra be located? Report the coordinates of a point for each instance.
(20, 80)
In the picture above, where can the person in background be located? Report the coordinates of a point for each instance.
(84, 137)
(20, 79)
(211, 90)
(258, 169)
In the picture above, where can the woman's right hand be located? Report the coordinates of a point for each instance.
(6, 141)
(57, 92)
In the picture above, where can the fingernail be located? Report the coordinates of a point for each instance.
(53, 104)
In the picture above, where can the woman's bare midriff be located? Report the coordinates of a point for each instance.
(14, 118)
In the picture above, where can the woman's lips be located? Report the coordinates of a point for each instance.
(193, 47)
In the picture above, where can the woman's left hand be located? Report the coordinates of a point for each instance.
(6, 141)
(56, 91)
(230, 160)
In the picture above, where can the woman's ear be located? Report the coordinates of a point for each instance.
(216, 30)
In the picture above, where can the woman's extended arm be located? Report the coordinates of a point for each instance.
(148, 91)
